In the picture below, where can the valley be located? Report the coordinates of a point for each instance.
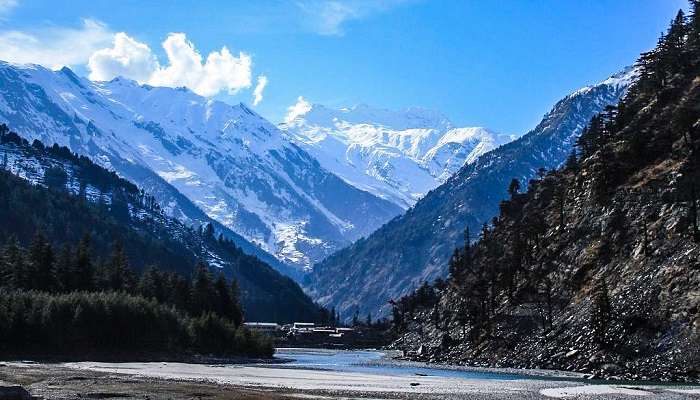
(180, 222)
(318, 374)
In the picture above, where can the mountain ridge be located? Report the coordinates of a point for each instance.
(416, 246)
(50, 190)
(396, 155)
(227, 161)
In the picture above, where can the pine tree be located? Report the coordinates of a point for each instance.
(152, 284)
(83, 271)
(513, 187)
(18, 271)
(119, 275)
(62, 278)
(41, 259)
(694, 28)
(227, 300)
(201, 300)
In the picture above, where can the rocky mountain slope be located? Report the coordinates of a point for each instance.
(396, 155)
(83, 197)
(196, 154)
(595, 267)
(416, 246)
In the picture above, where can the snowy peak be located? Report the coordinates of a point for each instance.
(396, 155)
(196, 154)
(409, 118)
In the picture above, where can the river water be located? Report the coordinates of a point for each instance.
(371, 362)
(349, 372)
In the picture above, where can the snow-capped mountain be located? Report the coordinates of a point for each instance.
(396, 155)
(188, 151)
(416, 246)
(133, 217)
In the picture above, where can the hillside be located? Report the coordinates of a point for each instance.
(64, 196)
(594, 268)
(416, 246)
(202, 159)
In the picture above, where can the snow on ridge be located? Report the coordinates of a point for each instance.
(230, 162)
(396, 155)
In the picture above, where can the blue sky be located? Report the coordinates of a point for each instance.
(500, 64)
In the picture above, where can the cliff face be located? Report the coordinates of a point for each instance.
(596, 268)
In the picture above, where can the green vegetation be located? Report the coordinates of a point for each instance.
(73, 197)
(70, 304)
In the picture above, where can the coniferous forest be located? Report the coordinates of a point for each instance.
(66, 300)
(592, 267)
(89, 255)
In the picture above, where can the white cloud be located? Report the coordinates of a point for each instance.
(56, 46)
(258, 91)
(126, 57)
(222, 71)
(301, 107)
(327, 17)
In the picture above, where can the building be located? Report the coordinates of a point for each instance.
(303, 326)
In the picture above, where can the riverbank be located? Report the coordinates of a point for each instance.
(304, 373)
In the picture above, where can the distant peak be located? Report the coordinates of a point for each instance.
(362, 113)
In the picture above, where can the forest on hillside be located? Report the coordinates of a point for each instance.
(593, 268)
(50, 190)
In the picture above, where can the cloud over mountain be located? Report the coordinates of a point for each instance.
(221, 71)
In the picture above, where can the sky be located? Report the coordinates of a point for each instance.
(499, 64)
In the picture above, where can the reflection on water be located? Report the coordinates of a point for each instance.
(369, 362)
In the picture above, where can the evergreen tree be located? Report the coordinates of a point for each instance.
(152, 284)
(41, 259)
(18, 272)
(55, 178)
(202, 293)
(62, 279)
(83, 271)
(119, 275)
(513, 188)
(237, 314)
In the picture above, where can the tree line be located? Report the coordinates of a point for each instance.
(69, 300)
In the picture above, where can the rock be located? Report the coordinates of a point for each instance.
(415, 384)
(611, 368)
(14, 393)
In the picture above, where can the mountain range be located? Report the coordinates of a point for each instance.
(323, 190)
(48, 190)
(203, 160)
(416, 246)
(396, 155)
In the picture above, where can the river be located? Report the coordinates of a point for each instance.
(337, 372)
